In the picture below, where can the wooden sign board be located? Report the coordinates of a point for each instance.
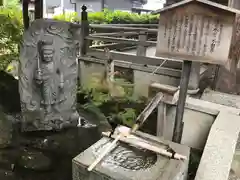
(196, 30)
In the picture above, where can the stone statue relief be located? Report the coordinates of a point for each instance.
(48, 75)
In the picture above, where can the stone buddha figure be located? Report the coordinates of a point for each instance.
(52, 89)
(48, 76)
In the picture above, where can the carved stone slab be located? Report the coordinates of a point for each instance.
(48, 75)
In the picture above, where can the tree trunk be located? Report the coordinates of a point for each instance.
(38, 9)
(227, 77)
(25, 14)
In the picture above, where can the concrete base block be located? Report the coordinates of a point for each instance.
(196, 127)
(235, 167)
(129, 163)
(220, 148)
(142, 81)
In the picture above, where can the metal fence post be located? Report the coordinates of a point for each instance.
(84, 31)
(84, 45)
(142, 49)
(25, 14)
(38, 9)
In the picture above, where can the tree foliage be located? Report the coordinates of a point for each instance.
(11, 3)
(11, 28)
(114, 100)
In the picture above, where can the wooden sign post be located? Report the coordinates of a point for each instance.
(194, 31)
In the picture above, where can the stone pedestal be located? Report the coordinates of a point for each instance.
(130, 163)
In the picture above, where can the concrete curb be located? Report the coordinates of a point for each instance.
(220, 148)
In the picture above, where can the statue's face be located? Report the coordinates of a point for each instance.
(48, 53)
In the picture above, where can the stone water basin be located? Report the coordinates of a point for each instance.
(126, 162)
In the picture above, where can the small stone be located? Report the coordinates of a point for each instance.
(34, 160)
(6, 175)
(235, 168)
(233, 176)
(7, 159)
(5, 131)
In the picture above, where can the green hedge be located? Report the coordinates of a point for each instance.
(112, 17)
(120, 17)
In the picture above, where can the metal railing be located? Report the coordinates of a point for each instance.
(131, 35)
(128, 34)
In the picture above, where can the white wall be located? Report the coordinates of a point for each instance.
(154, 4)
(92, 5)
(56, 3)
(119, 5)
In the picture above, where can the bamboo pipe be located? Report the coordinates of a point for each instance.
(131, 139)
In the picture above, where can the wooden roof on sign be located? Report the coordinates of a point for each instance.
(203, 2)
